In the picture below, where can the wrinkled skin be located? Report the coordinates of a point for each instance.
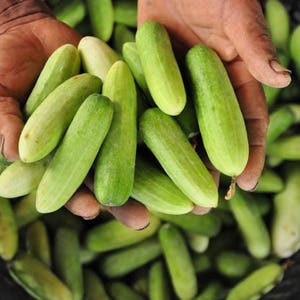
(237, 31)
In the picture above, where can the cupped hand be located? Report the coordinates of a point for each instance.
(237, 31)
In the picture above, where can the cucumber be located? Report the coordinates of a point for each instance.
(125, 12)
(75, 154)
(220, 119)
(166, 140)
(114, 167)
(45, 127)
(62, 64)
(160, 67)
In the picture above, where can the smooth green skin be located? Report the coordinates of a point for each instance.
(285, 148)
(278, 22)
(160, 67)
(37, 242)
(93, 286)
(46, 126)
(220, 119)
(294, 47)
(96, 56)
(66, 258)
(156, 190)
(209, 224)
(125, 12)
(114, 166)
(37, 279)
(25, 210)
(166, 140)
(9, 239)
(158, 284)
(179, 261)
(63, 63)
(121, 35)
(75, 154)
(197, 242)
(253, 229)
(123, 261)
(213, 291)
(121, 291)
(115, 235)
(269, 182)
(101, 15)
(201, 262)
(285, 230)
(20, 178)
(256, 283)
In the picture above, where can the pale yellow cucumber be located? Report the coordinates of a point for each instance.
(114, 167)
(75, 154)
(160, 67)
(62, 64)
(45, 127)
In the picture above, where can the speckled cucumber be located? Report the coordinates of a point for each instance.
(160, 67)
(45, 127)
(219, 116)
(75, 154)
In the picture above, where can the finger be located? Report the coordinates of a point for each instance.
(84, 204)
(11, 125)
(132, 214)
(245, 26)
(254, 108)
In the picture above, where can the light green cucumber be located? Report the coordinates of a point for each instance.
(156, 190)
(75, 154)
(179, 261)
(20, 178)
(115, 235)
(220, 119)
(114, 166)
(166, 140)
(121, 35)
(96, 56)
(123, 261)
(197, 242)
(269, 182)
(9, 238)
(125, 12)
(38, 279)
(160, 67)
(62, 64)
(101, 15)
(46, 126)
(294, 48)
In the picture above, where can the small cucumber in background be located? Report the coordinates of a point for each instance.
(125, 12)
(75, 154)
(160, 67)
(220, 119)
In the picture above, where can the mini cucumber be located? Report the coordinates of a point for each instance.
(101, 15)
(45, 127)
(160, 67)
(96, 56)
(62, 64)
(166, 140)
(269, 182)
(179, 262)
(220, 120)
(125, 12)
(121, 291)
(9, 237)
(114, 166)
(75, 154)
(157, 192)
(121, 35)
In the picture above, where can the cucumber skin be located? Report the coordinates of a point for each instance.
(220, 119)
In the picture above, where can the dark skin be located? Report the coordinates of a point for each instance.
(246, 50)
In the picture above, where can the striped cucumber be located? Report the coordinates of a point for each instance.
(156, 190)
(164, 137)
(114, 167)
(62, 64)
(220, 119)
(75, 154)
(160, 67)
(96, 56)
(45, 127)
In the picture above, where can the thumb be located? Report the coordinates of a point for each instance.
(245, 26)
(11, 125)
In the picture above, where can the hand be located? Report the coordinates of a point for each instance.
(23, 53)
(236, 30)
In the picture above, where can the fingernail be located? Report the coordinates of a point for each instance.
(278, 68)
(254, 188)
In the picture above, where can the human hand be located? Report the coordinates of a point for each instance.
(237, 31)
(25, 47)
